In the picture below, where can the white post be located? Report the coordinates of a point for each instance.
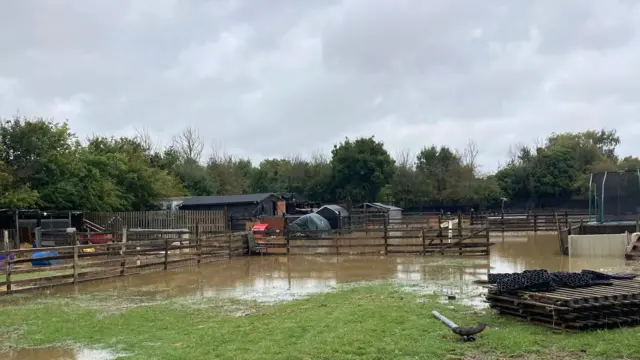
(123, 251)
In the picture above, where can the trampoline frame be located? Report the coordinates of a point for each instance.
(595, 200)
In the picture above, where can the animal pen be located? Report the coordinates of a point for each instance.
(378, 237)
(137, 250)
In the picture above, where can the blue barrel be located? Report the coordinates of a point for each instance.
(44, 254)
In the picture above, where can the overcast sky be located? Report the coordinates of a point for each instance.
(280, 77)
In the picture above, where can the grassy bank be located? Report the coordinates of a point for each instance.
(370, 322)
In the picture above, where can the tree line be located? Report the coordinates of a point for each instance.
(43, 164)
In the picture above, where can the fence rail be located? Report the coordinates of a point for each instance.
(528, 222)
(376, 240)
(87, 262)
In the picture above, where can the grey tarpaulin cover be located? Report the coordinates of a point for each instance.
(308, 222)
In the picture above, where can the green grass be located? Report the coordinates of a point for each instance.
(369, 322)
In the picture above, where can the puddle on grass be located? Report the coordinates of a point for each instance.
(279, 278)
(52, 353)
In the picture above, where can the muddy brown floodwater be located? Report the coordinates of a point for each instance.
(277, 278)
(281, 278)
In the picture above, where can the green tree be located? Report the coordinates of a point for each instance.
(360, 169)
(129, 165)
(554, 173)
(42, 155)
(15, 196)
(232, 174)
(43, 164)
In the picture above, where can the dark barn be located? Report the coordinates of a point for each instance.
(240, 208)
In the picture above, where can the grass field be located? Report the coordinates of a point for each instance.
(368, 322)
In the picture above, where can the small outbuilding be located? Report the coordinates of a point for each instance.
(392, 213)
(336, 215)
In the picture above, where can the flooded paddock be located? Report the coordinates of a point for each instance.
(281, 278)
(278, 278)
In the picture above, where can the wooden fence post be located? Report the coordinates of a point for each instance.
(38, 234)
(75, 260)
(424, 241)
(459, 223)
(386, 237)
(198, 244)
(123, 252)
(502, 222)
(566, 218)
(229, 239)
(488, 235)
(7, 260)
(7, 271)
(535, 221)
(166, 253)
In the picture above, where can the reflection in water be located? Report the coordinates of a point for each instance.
(57, 354)
(276, 278)
(515, 254)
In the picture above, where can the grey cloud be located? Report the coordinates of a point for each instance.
(410, 72)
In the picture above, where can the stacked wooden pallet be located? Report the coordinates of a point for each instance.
(595, 307)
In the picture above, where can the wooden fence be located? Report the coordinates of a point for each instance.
(132, 255)
(134, 251)
(378, 241)
(528, 222)
(208, 220)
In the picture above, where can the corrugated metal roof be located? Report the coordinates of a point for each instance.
(226, 199)
(337, 209)
(382, 206)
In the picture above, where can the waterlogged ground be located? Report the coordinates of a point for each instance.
(127, 312)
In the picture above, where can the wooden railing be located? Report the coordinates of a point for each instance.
(379, 241)
(528, 222)
(130, 255)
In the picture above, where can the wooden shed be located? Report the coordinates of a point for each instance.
(240, 208)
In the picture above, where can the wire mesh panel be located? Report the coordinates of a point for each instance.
(616, 195)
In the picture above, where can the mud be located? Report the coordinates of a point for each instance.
(57, 354)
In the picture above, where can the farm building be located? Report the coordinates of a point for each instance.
(240, 208)
(379, 210)
(337, 216)
(246, 205)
